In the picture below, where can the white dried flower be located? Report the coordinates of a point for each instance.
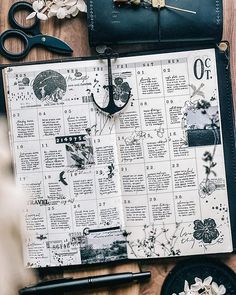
(38, 6)
(218, 290)
(60, 8)
(206, 287)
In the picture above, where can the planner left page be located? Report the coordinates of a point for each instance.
(65, 158)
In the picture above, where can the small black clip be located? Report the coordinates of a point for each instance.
(87, 230)
(111, 108)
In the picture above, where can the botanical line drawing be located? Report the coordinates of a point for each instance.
(205, 230)
(49, 86)
(207, 186)
(155, 241)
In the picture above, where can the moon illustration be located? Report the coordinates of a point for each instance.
(49, 85)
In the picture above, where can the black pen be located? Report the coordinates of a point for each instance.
(70, 284)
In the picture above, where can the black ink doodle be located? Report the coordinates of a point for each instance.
(49, 86)
(62, 179)
(205, 230)
(208, 186)
(155, 239)
(41, 237)
(80, 155)
(26, 81)
(111, 170)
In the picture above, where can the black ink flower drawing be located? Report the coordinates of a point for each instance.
(207, 186)
(155, 242)
(203, 105)
(205, 230)
(121, 90)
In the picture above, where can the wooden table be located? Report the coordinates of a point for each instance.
(75, 33)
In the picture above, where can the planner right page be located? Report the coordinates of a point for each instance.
(171, 156)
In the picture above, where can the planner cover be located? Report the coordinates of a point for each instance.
(111, 22)
(156, 180)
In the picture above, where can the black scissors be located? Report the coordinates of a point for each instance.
(31, 36)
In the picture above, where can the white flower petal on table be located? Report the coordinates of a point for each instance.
(207, 281)
(186, 286)
(74, 14)
(61, 13)
(215, 287)
(38, 5)
(59, 3)
(51, 13)
(196, 287)
(42, 16)
(197, 280)
(31, 15)
(82, 6)
(222, 289)
(70, 2)
(53, 9)
(72, 9)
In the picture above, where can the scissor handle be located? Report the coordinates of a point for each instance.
(19, 35)
(34, 29)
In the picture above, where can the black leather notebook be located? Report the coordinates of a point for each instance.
(155, 180)
(184, 25)
(114, 23)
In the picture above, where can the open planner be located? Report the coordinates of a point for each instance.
(155, 180)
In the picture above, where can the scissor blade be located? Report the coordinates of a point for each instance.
(56, 45)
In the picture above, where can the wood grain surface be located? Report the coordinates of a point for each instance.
(74, 32)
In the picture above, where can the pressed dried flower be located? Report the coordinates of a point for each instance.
(38, 7)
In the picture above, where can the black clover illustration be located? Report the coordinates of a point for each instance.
(205, 230)
(121, 90)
